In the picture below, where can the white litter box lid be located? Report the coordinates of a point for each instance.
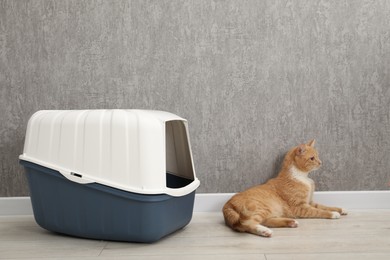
(131, 150)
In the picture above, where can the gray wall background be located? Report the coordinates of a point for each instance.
(253, 78)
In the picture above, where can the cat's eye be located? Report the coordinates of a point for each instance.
(312, 158)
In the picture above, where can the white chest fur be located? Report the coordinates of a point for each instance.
(301, 176)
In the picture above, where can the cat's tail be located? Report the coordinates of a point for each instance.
(232, 217)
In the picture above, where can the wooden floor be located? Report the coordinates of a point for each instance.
(360, 235)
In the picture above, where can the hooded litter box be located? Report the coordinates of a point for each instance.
(123, 175)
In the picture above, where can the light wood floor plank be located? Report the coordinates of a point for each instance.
(166, 257)
(50, 249)
(363, 234)
(333, 256)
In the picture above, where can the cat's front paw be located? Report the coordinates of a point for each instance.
(343, 212)
(293, 223)
(335, 215)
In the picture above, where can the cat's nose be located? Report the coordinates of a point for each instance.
(319, 162)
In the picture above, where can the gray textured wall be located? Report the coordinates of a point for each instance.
(252, 77)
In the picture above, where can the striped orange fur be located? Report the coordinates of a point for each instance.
(282, 199)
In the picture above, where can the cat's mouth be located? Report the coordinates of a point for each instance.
(316, 167)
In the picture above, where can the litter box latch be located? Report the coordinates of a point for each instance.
(75, 177)
(76, 174)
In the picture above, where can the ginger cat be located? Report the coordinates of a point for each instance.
(277, 202)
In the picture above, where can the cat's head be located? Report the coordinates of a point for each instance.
(306, 157)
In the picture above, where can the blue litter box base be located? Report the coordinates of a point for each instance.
(101, 212)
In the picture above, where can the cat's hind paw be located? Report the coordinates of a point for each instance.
(263, 231)
(335, 215)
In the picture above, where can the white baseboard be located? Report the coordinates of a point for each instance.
(213, 202)
(15, 206)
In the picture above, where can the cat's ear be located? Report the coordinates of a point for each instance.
(300, 150)
(312, 143)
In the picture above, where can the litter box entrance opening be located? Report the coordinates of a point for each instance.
(179, 167)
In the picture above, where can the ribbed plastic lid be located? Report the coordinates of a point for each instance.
(131, 150)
